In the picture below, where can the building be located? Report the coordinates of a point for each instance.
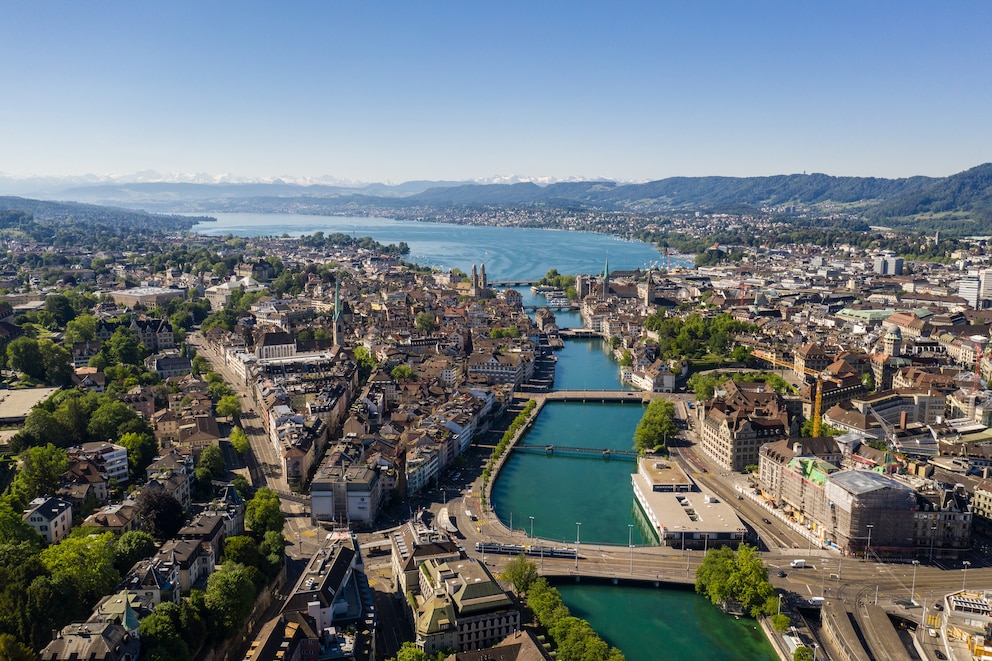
(738, 421)
(345, 493)
(50, 517)
(110, 459)
(93, 641)
(678, 513)
(147, 297)
(462, 607)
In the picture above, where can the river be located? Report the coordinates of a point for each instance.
(645, 623)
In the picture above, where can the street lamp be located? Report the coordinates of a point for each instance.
(823, 569)
(779, 603)
(912, 590)
(964, 576)
(868, 548)
(531, 527)
(578, 527)
(630, 545)
(933, 537)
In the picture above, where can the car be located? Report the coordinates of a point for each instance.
(938, 606)
(766, 521)
(781, 574)
(940, 655)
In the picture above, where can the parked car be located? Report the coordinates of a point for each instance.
(781, 573)
(766, 521)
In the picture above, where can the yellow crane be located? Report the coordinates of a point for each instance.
(817, 399)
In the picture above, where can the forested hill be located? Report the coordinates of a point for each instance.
(110, 217)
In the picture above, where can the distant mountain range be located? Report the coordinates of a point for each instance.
(961, 203)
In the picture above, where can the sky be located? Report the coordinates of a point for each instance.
(397, 91)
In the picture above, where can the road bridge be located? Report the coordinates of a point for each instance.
(512, 283)
(590, 396)
(551, 306)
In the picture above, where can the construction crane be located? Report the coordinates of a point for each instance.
(817, 399)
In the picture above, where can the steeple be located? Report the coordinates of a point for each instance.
(606, 278)
(337, 309)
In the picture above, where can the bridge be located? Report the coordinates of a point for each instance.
(590, 396)
(578, 332)
(566, 306)
(512, 283)
(548, 450)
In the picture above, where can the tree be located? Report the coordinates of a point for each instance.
(521, 572)
(60, 308)
(229, 405)
(410, 652)
(241, 486)
(106, 420)
(161, 637)
(132, 546)
(262, 512)
(736, 576)
(124, 347)
(80, 329)
(230, 594)
(212, 459)
(39, 470)
(12, 649)
(41, 428)
(802, 653)
(780, 622)
(242, 550)
(56, 361)
(160, 513)
(402, 372)
(141, 451)
(239, 440)
(425, 323)
(656, 425)
(86, 561)
(13, 529)
(23, 355)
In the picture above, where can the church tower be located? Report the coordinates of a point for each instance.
(606, 278)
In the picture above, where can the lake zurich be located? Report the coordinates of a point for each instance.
(645, 623)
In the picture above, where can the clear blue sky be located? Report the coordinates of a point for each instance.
(394, 91)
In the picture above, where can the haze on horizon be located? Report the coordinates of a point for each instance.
(393, 92)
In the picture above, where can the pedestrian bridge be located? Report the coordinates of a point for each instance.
(590, 396)
(549, 450)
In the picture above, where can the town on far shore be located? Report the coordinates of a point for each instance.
(275, 448)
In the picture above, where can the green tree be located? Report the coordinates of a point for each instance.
(781, 622)
(425, 323)
(108, 418)
(39, 470)
(229, 405)
(239, 440)
(241, 486)
(656, 425)
(23, 355)
(521, 572)
(57, 362)
(132, 546)
(262, 512)
(60, 308)
(41, 428)
(242, 550)
(12, 649)
(402, 372)
(124, 347)
(212, 459)
(87, 561)
(736, 576)
(80, 329)
(161, 638)
(141, 450)
(230, 594)
(802, 653)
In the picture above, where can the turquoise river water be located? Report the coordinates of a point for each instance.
(645, 623)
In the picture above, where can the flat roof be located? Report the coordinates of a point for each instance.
(689, 512)
(660, 471)
(16, 404)
(861, 481)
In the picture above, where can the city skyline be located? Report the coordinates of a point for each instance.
(399, 92)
